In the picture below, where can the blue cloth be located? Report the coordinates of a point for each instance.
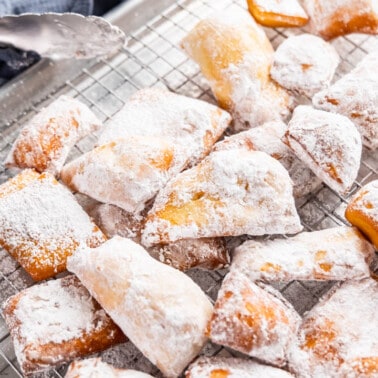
(7, 7)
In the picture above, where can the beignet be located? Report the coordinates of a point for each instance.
(355, 96)
(304, 64)
(95, 368)
(252, 320)
(160, 309)
(338, 254)
(46, 140)
(229, 193)
(267, 138)
(362, 211)
(192, 125)
(235, 55)
(278, 13)
(331, 19)
(41, 223)
(126, 172)
(218, 367)
(55, 322)
(329, 144)
(338, 337)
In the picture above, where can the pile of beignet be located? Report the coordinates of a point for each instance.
(162, 192)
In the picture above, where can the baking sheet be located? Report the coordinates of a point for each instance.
(153, 58)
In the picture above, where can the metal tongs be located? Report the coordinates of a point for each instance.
(61, 35)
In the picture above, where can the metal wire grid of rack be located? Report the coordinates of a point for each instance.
(153, 58)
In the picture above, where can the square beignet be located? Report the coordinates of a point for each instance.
(46, 140)
(362, 211)
(218, 367)
(339, 254)
(338, 337)
(41, 223)
(235, 55)
(355, 96)
(95, 368)
(331, 19)
(329, 144)
(192, 125)
(230, 193)
(55, 322)
(160, 309)
(251, 320)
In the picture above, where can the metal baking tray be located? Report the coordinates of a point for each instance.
(153, 57)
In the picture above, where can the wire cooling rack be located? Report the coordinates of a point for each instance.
(153, 58)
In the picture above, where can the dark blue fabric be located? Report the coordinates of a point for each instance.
(7, 7)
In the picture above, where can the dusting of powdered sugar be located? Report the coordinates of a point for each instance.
(281, 7)
(230, 193)
(304, 64)
(252, 320)
(338, 254)
(329, 144)
(191, 124)
(43, 215)
(206, 367)
(267, 138)
(161, 310)
(355, 96)
(126, 172)
(95, 368)
(46, 140)
(338, 336)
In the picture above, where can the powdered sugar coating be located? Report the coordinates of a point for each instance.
(331, 19)
(229, 193)
(46, 140)
(362, 211)
(329, 144)
(206, 367)
(95, 368)
(191, 125)
(161, 310)
(355, 96)
(125, 172)
(285, 7)
(338, 336)
(339, 254)
(267, 138)
(41, 223)
(252, 320)
(304, 64)
(51, 322)
(235, 55)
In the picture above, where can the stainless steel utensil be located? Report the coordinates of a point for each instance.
(61, 35)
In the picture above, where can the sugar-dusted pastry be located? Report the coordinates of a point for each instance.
(192, 124)
(331, 19)
(46, 140)
(278, 13)
(338, 254)
(160, 309)
(95, 368)
(55, 322)
(355, 96)
(220, 367)
(338, 337)
(252, 320)
(235, 55)
(229, 193)
(267, 138)
(126, 172)
(205, 253)
(304, 64)
(329, 144)
(41, 223)
(362, 211)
